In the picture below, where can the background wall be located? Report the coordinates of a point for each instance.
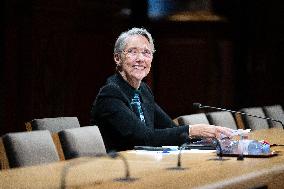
(57, 54)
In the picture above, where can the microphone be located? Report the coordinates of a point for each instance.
(200, 106)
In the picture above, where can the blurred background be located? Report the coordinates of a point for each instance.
(57, 54)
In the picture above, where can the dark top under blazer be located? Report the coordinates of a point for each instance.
(121, 128)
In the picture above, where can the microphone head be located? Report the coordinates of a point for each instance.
(197, 105)
(113, 154)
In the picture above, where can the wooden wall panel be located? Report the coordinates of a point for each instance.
(57, 54)
(192, 70)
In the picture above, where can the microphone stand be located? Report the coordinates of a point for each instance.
(220, 155)
(221, 150)
(127, 177)
(179, 167)
(66, 168)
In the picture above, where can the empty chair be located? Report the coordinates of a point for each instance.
(30, 148)
(224, 119)
(253, 122)
(274, 112)
(192, 119)
(82, 141)
(55, 124)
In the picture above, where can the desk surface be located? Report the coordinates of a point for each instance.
(151, 171)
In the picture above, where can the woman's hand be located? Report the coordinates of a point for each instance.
(205, 130)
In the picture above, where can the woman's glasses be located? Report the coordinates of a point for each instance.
(133, 52)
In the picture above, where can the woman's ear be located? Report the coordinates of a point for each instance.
(117, 59)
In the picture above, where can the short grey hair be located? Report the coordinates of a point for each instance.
(121, 40)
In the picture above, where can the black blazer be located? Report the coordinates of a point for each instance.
(121, 128)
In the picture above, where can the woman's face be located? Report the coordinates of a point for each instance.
(135, 61)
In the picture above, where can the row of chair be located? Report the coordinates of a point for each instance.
(275, 112)
(63, 138)
(37, 147)
(238, 121)
(225, 119)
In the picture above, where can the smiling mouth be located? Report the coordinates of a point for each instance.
(139, 67)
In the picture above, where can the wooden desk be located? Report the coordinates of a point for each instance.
(151, 171)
